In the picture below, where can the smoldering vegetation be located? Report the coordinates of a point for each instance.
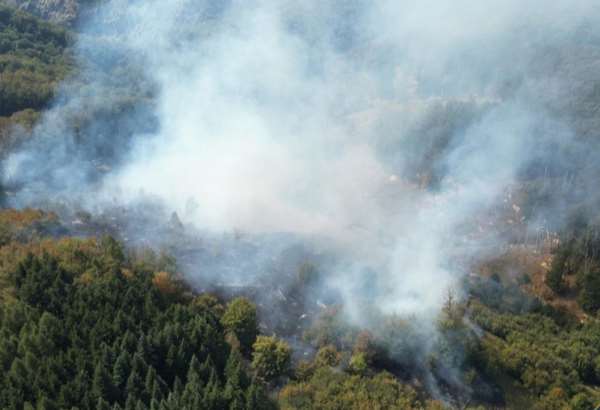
(337, 161)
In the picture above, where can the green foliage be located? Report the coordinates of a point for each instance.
(85, 324)
(240, 319)
(327, 356)
(33, 59)
(555, 278)
(365, 347)
(271, 358)
(257, 398)
(550, 361)
(579, 255)
(329, 389)
(589, 295)
(25, 225)
(358, 363)
(99, 334)
(210, 302)
(330, 328)
(581, 401)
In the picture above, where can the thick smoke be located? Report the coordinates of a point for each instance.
(390, 133)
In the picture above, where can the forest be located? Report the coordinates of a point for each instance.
(94, 315)
(88, 324)
(34, 60)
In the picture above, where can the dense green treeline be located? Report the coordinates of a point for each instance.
(540, 356)
(105, 101)
(86, 327)
(556, 367)
(33, 59)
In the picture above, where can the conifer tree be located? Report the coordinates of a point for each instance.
(102, 405)
(102, 387)
(121, 371)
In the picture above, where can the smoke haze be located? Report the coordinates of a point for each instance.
(389, 134)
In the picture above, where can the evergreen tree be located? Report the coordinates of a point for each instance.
(155, 404)
(589, 296)
(192, 392)
(234, 372)
(44, 403)
(130, 403)
(256, 397)
(121, 371)
(236, 381)
(135, 384)
(102, 405)
(556, 281)
(102, 388)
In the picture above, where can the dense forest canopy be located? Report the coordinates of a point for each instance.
(451, 258)
(34, 60)
(86, 325)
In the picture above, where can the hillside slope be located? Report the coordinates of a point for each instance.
(57, 11)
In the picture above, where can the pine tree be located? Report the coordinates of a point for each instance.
(177, 386)
(555, 278)
(143, 348)
(130, 403)
(121, 370)
(44, 403)
(234, 372)
(192, 392)
(181, 359)
(212, 395)
(236, 381)
(154, 404)
(107, 358)
(102, 405)
(589, 297)
(173, 401)
(18, 378)
(257, 398)
(129, 342)
(171, 360)
(140, 406)
(102, 387)
(149, 383)
(194, 367)
(157, 391)
(135, 384)
(207, 369)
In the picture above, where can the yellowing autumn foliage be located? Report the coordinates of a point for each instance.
(166, 284)
(25, 217)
